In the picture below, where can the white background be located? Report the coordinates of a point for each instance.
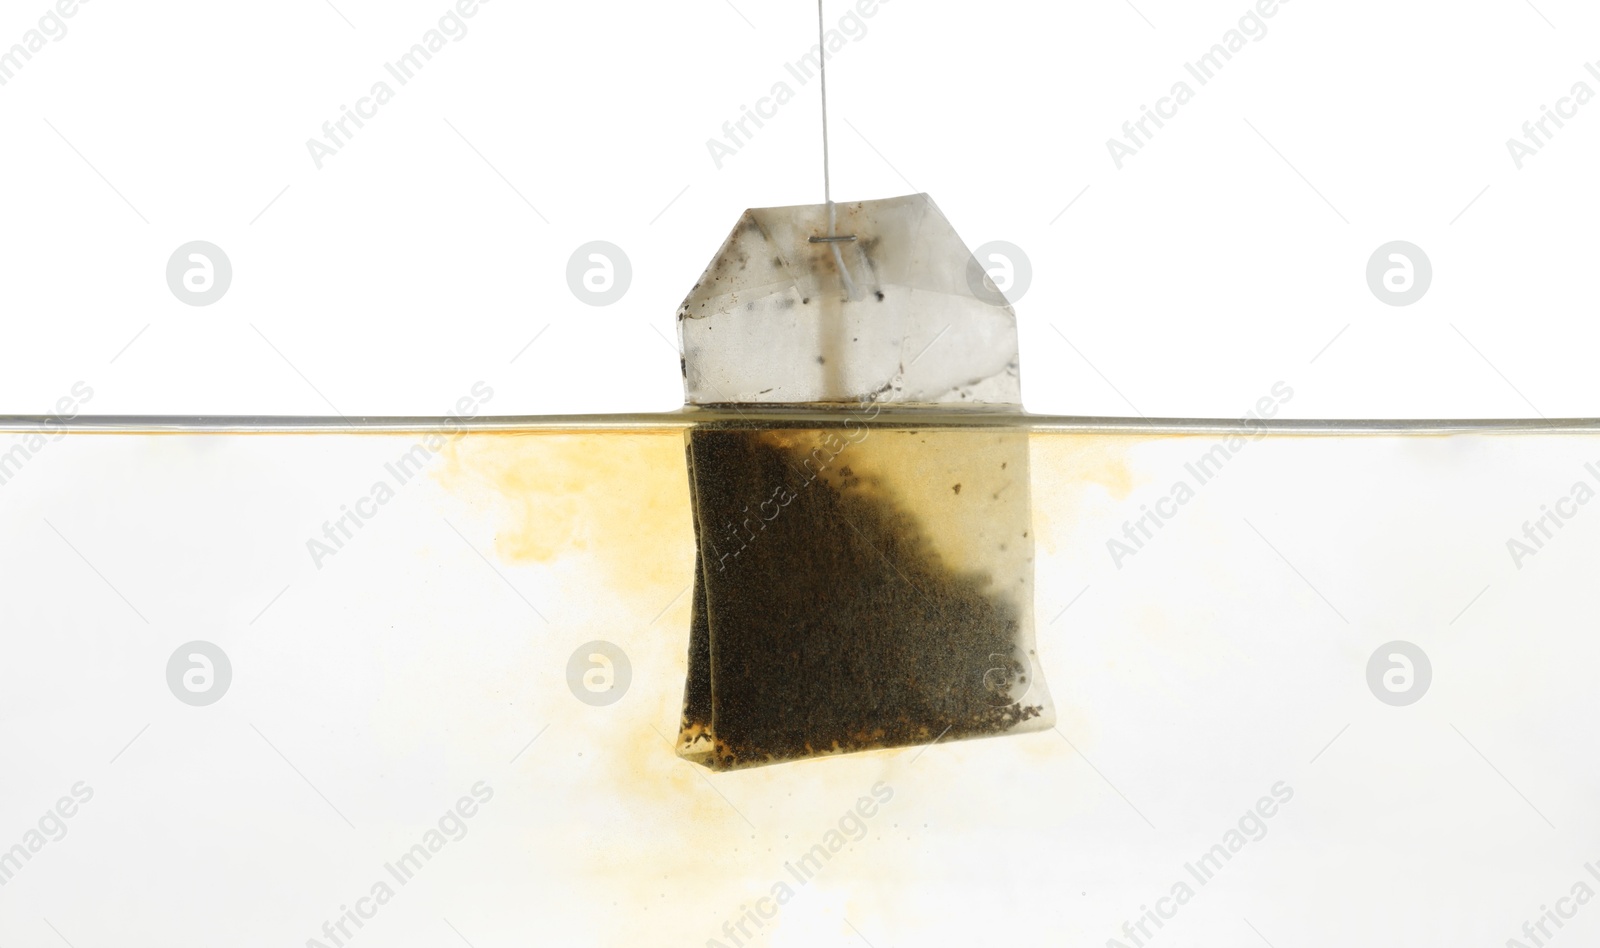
(408, 267)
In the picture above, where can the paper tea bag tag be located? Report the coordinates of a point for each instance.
(864, 569)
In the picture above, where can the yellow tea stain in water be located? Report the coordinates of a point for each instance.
(620, 497)
(653, 845)
(609, 512)
(1074, 467)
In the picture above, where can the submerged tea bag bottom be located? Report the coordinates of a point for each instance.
(857, 588)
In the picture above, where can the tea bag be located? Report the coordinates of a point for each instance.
(864, 575)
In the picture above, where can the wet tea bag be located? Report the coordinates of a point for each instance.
(864, 573)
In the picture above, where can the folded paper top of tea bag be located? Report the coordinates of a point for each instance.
(838, 304)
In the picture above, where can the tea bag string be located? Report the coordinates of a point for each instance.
(822, 57)
(827, 181)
